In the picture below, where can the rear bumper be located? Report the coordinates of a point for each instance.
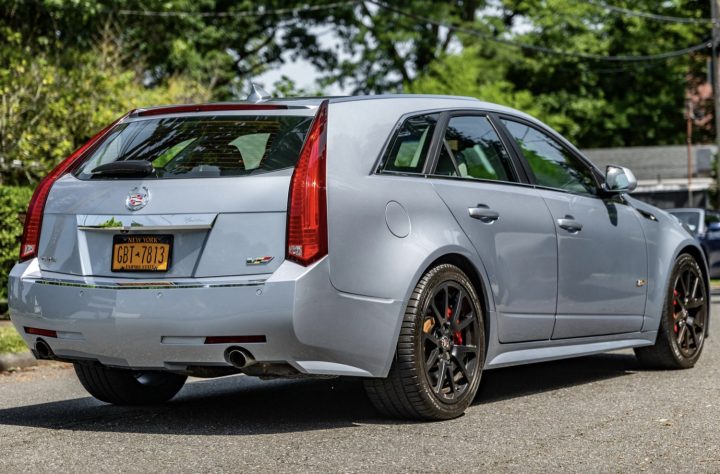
(307, 323)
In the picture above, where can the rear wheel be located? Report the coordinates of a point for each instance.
(128, 387)
(682, 328)
(440, 352)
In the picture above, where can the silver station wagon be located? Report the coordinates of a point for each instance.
(411, 241)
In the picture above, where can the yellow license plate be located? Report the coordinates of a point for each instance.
(141, 253)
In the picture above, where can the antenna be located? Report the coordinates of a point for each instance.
(257, 94)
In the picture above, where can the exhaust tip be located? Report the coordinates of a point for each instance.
(239, 357)
(43, 350)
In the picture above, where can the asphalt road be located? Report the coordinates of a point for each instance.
(595, 414)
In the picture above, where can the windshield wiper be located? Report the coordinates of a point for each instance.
(125, 168)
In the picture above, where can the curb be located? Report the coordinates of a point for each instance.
(19, 360)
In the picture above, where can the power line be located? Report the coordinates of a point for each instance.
(651, 16)
(542, 49)
(244, 13)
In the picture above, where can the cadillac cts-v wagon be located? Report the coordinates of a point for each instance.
(411, 241)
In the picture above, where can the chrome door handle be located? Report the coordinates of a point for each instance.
(483, 213)
(570, 224)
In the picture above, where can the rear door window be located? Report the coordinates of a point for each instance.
(471, 148)
(409, 147)
(207, 146)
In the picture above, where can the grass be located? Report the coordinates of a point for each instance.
(10, 340)
(715, 282)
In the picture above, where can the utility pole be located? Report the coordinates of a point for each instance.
(714, 7)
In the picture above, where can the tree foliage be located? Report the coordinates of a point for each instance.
(67, 67)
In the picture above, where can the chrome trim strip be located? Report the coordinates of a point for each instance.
(136, 228)
(151, 285)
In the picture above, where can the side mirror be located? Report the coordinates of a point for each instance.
(619, 179)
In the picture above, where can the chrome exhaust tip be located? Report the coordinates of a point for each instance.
(43, 350)
(239, 357)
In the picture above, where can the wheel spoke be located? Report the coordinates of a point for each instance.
(459, 351)
(460, 325)
(691, 335)
(681, 335)
(432, 358)
(451, 377)
(463, 369)
(446, 288)
(458, 303)
(441, 376)
(695, 303)
(693, 293)
(436, 312)
(429, 337)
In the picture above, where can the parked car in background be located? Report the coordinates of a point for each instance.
(410, 241)
(705, 226)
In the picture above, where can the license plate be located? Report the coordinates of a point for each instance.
(141, 253)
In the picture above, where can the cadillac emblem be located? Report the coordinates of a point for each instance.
(137, 198)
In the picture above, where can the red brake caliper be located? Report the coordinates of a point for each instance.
(675, 294)
(457, 337)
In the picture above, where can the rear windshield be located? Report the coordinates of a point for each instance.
(208, 146)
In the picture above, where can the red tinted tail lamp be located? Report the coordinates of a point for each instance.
(33, 218)
(307, 239)
(40, 332)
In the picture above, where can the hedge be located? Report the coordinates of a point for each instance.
(13, 204)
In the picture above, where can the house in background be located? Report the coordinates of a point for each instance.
(662, 172)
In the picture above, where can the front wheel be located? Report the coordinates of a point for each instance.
(128, 387)
(681, 334)
(440, 352)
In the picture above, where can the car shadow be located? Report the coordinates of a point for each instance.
(247, 406)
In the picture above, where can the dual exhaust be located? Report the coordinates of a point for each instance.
(235, 356)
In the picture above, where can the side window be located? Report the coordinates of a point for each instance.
(552, 165)
(471, 148)
(409, 147)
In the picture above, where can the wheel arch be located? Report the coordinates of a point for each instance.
(475, 275)
(699, 256)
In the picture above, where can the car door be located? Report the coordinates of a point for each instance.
(602, 254)
(508, 223)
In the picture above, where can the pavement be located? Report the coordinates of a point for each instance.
(595, 414)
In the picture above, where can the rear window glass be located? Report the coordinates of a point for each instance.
(410, 145)
(185, 147)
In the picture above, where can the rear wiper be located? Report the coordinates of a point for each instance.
(125, 168)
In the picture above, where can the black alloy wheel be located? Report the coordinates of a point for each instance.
(450, 329)
(440, 352)
(683, 325)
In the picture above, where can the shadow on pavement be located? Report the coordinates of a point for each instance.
(244, 405)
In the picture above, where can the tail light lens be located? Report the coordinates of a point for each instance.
(33, 218)
(307, 240)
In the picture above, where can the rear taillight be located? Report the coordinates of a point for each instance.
(33, 218)
(307, 239)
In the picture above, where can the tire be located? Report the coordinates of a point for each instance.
(433, 344)
(128, 387)
(683, 323)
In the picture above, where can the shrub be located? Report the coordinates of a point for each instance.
(13, 204)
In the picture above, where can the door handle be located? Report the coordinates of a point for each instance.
(570, 224)
(483, 213)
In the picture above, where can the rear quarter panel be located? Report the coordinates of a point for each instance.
(365, 257)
